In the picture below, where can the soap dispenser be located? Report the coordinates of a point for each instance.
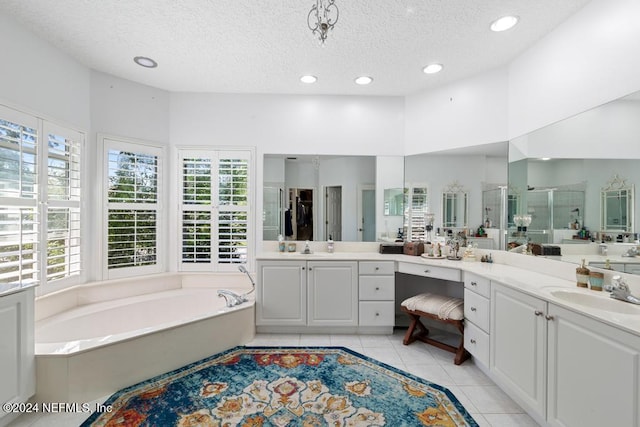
(330, 244)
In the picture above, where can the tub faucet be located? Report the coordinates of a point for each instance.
(231, 298)
(620, 291)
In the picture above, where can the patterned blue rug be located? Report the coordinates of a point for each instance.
(284, 386)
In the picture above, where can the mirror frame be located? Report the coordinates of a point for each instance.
(454, 191)
(615, 188)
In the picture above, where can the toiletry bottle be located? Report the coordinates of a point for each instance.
(280, 243)
(307, 249)
(330, 245)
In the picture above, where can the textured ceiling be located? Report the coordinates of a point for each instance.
(257, 46)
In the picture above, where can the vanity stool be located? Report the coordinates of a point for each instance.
(440, 308)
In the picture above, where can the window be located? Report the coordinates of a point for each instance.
(39, 200)
(214, 209)
(416, 204)
(133, 233)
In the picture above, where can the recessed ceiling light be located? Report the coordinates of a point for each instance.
(432, 68)
(363, 80)
(545, 158)
(308, 79)
(143, 61)
(504, 23)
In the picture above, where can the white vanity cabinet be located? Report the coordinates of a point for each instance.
(564, 367)
(17, 348)
(298, 295)
(332, 288)
(477, 291)
(281, 293)
(376, 295)
(518, 355)
(594, 372)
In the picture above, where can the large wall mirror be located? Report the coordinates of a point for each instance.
(480, 177)
(576, 179)
(314, 197)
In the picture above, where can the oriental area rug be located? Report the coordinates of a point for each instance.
(284, 386)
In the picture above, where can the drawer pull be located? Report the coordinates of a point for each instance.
(473, 309)
(377, 268)
(538, 313)
(549, 317)
(473, 341)
(427, 271)
(303, 268)
(377, 288)
(474, 284)
(377, 314)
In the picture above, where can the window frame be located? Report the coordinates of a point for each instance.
(41, 202)
(110, 142)
(217, 152)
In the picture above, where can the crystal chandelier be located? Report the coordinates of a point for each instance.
(322, 17)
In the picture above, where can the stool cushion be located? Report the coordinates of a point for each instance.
(439, 305)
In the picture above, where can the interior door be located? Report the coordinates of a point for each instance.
(333, 212)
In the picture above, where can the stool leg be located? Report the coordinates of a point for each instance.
(461, 353)
(408, 337)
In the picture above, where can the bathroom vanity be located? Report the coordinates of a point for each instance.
(18, 370)
(559, 351)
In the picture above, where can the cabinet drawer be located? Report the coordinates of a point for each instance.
(478, 284)
(476, 309)
(376, 268)
(429, 271)
(476, 341)
(376, 288)
(376, 313)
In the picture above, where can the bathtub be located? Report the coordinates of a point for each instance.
(94, 339)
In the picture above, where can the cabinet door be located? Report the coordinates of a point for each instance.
(17, 360)
(594, 373)
(281, 293)
(519, 345)
(333, 293)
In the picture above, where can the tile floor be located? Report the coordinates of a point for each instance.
(488, 405)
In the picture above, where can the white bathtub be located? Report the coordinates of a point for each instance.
(95, 339)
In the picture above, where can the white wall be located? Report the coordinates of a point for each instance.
(40, 79)
(468, 112)
(590, 59)
(285, 124)
(126, 109)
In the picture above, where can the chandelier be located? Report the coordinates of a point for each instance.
(322, 17)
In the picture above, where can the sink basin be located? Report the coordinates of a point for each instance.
(598, 302)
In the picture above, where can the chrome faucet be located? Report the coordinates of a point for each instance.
(620, 291)
(232, 298)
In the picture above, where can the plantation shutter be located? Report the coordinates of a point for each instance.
(416, 204)
(39, 200)
(133, 173)
(214, 209)
(63, 202)
(19, 227)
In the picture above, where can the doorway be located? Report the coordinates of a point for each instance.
(299, 214)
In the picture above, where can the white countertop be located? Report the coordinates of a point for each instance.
(536, 276)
